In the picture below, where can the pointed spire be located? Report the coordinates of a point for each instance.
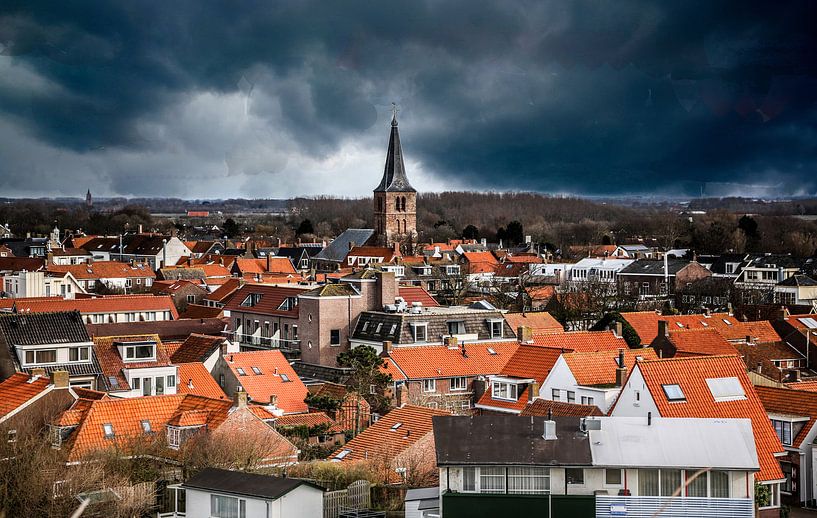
(394, 174)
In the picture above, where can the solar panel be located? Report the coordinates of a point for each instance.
(808, 322)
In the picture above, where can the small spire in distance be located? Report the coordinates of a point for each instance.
(394, 114)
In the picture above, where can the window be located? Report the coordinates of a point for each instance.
(420, 332)
(240, 371)
(78, 354)
(612, 477)
(136, 383)
(456, 327)
(458, 383)
(160, 385)
(469, 479)
(528, 480)
(174, 436)
(698, 486)
(587, 400)
(334, 337)
(41, 356)
(191, 299)
(256, 370)
(139, 352)
(108, 429)
(430, 385)
(571, 396)
(171, 381)
(221, 380)
(11, 436)
(575, 476)
(726, 389)
(556, 394)
(503, 390)
(496, 328)
(146, 383)
(673, 392)
(670, 481)
(492, 480)
(648, 482)
(783, 430)
(146, 426)
(718, 484)
(285, 378)
(227, 507)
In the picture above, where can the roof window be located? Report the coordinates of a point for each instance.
(285, 378)
(108, 429)
(146, 426)
(256, 371)
(343, 454)
(673, 392)
(396, 426)
(491, 351)
(727, 322)
(240, 371)
(726, 389)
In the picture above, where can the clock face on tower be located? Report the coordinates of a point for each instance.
(395, 200)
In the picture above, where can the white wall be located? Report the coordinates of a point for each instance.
(562, 378)
(301, 502)
(635, 400)
(152, 373)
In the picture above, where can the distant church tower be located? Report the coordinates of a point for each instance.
(89, 202)
(395, 200)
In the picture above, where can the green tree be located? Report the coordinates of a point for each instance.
(367, 378)
(305, 228)
(231, 228)
(470, 232)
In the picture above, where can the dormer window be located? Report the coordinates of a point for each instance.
(504, 390)
(456, 327)
(420, 331)
(452, 269)
(288, 304)
(251, 300)
(496, 328)
(79, 354)
(174, 437)
(41, 357)
(138, 351)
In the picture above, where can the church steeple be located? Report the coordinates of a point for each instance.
(394, 174)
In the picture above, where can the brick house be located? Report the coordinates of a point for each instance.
(182, 292)
(647, 278)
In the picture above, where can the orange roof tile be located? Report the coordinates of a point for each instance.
(438, 361)
(539, 321)
(599, 367)
(194, 379)
(197, 348)
(541, 407)
(19, 389)
(691, 374)
(104, 270)
(500, 404)
(389, 367)
(583, 341)
(645, 324)
(112, 364)
(480, 262)
(412, 294)
(225, 291)
(384, 440)
(108, 304)
(272, 264)
(273, 367)
(700, 341)
(789, 402)
(309, 420)
(806, 385)
(531, 361)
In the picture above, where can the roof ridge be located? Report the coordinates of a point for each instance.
(691, 358)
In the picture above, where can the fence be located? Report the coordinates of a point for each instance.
(356, 496)
(649, 506)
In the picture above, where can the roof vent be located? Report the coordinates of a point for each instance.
(550, 430)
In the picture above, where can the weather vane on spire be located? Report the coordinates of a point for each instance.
(394, 111)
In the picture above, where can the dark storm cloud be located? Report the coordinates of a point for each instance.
(582, 97)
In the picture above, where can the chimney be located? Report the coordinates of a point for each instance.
(240, 399)
(450, 341)
(524, 334)
(351, 244)
(533, 391)
(140, 228)
(749, 340)
(60, 379)
(388, 347)
(782, 313)
(621, 370)
(38, 371)
(649, 418)
(190, 383)
(729, 309)
(759, 368)
(273, 400)
(618, 330)
(662, 328)
(550, 429)
(396, 248)
(268, 262)
(462, 349)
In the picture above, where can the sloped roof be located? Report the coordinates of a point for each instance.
(166, 329)
(197, 348)
(309, 420)
(438, 361)
(225, 291)
(599, 368)
(270, 264)
(515, 407)
(384, 440)
(481, 262)
(273, 366)
(194, 379)
(43, 328)
(337, 250)
(246, 484)
(584, 341)
(538, 321)
(19, 389)
(691, 373)
(798, 280)
(412, 294)
(543, 407)
(104, 270)
(18, 264)
(394, 173)
(653, 267)
(700, 341)
(271, 298)
(645, 324)
(791, 403)
(107, 353)
(107, 304)
(531, 361)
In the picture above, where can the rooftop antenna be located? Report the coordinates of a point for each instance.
(394, 111)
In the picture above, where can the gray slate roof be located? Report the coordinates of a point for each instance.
(43, 328)
(798, 280)
(394, 175)
(338, 249)
(247, 484)
(653, 267)
(475, 322)
(508, 440)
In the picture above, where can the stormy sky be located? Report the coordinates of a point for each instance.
(201, 99)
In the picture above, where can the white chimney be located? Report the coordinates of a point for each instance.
(550, 431)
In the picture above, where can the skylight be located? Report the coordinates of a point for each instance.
(146, 426)
(108, 429)
(726, 389)
(491, 351)
(679, 324)
(343, 454)
(808, 322)
(673, 392)
(395, 426)
(284, 378)
(256, 370)
(728, 323)
(240, 371)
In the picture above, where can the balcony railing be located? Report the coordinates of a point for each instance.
(264, 342)
(649, 506)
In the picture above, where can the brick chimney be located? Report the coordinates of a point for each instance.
(38, 371)
(60, 379)
(524, 334)
(533, 391)
(273, 400)
(240, 399)
(621, 369)
(388, 347)
(386, 288)
(662, 328)
(618, 330)
(450, 341)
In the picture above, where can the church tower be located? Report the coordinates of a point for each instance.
(395, 200)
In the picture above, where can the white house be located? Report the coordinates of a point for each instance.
(598, 269)
(222, 493)
(41, 284)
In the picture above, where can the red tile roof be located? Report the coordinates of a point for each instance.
(541, 407)
(806, 385)
(260, 387)
(700, 341)
(531, 361)
(197, 348)
(438, 361)
(380, 442)
(271, 299)
(599, 368)
(272, 264)
(112, 364)
(645, 324)
(480, 262)
(500, 404)
(196, 311)
(800, 403)
(539, 322)
(691, 374)
(309, 420)
(108, 304)
(389, 367)
(194, 379)
(104, 270)
(412, 294)
(19, 389)
(225, 291)
(584, 341)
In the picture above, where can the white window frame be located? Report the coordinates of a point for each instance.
(512, 390)
(429, 385)
(459, 383)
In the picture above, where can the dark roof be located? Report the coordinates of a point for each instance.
(509, 440)
(43, 328)
(798, 280)
(166, 329)
(338, 289)
(776, 261)
(17, 264)
(653, 267)
(247, 484)
(475, 322)
(338, 249)
(197, 348)
(394, 174)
